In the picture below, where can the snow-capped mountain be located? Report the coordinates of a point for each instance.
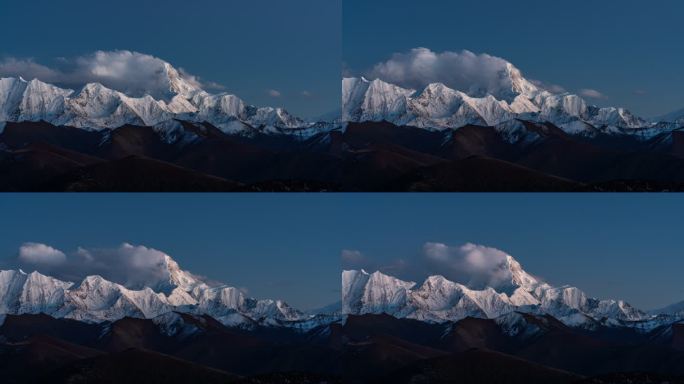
(95, 299)
(438, 299)
(674, 117)
(676, 309)
(439, 107)
(95, 106)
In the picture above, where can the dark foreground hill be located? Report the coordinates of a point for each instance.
(362, 349)
(37, 156)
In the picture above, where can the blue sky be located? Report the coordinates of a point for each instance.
(627, 50)
(250, 47)
(288, 245)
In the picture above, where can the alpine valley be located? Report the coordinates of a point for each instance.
(516, 137)
(181, 328)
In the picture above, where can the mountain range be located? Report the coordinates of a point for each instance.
(97, 107)
(439, 107)
(520, 137)
(439, 300)
(95, 299)
(436, 106)
(518, 330)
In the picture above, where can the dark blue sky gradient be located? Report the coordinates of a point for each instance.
(629, 49)
(288, 245)
(248, 46)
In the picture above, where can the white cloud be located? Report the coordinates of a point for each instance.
(553, 88)
(475, 74)
(476, 266)
(133, 73)
(28, 69)
(214, 86)
(273, 93)
(306, 93)
(346, 70)
(134, 266)
(591, 93)
(37, 254)
(352, 258)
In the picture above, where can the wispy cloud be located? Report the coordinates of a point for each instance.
(134, 266)
(211, 85)
(475, 265)
(553, 88)
(591, 93)
(353, 259)
(29, 69)
(346, 70)
(274, 93)
(133, 73)
(475, 74)
(40, 254)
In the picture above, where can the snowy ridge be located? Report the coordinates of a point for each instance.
(676, 309)
(438, 299)
(95, 106)
(95, 299)
(674, 117)
(439, 107)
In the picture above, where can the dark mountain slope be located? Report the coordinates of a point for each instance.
(481, 174)
(373, 156)
(136, 174)
(478, 366)
(137, 366)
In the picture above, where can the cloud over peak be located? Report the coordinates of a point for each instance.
(475, 74)
(134, 266)
(474, 265)
(133, 73)
(40, 254)
(591, 93)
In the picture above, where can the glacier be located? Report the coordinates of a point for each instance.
(440, 300)
(436, 299)
(438, 107)
(434, 107)
(97, 107)
(95, 299)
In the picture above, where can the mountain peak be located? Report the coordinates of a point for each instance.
(179, 278)
(436, 279)
(673, 117)
(439, 299)
(95, 87)
(35, 275)
(438, 90)
(180, 96)
(504, 96)
(96, 299)
(519, 84)
(519, 277)
(178, 84)
(95, 280)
